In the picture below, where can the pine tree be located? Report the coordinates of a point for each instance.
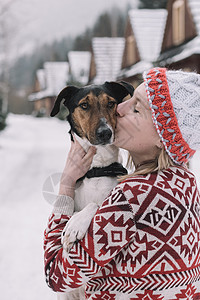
(83, 41)
(103, 26)
(108, 24)
(153, 4)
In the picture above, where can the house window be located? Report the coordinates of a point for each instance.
(130, 50)
(178, 22)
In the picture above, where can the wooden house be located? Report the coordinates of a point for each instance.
(79, 67)
(106, 59)
(49, 82)
(143, 41)
(39, 85)
(181, 42)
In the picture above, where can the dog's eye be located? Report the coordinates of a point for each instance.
(84, 105)
(111, 104)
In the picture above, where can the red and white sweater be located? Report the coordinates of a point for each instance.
(143, 242)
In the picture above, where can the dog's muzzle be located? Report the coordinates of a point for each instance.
(104, 133)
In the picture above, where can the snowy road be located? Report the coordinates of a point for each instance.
(30, 151)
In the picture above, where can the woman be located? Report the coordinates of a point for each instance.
(144, 241)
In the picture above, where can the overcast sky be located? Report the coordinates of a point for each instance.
(37, 21)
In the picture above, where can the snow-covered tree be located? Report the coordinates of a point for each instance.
(153, 4)
(7, 32)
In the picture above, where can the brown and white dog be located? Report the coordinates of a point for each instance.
(92, 117)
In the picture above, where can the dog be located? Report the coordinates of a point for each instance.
(92, 117)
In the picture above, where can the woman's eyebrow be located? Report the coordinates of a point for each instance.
(137, 101)
(141, 103)
(137, 96)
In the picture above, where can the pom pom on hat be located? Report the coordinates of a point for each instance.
(174, 99)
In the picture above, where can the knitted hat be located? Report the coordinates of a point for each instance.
(174, 98)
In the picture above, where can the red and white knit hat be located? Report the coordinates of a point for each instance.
(174, 98)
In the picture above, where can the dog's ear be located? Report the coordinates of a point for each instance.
(119, 89)
(128, 86)
(65, 94)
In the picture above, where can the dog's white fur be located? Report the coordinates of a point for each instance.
(89, 194)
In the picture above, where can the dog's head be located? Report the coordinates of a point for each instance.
(92, 109)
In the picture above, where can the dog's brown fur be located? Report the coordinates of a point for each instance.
(92, 109)
(87, 121)
(92, 116)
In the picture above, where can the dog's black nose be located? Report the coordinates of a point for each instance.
(104, 135)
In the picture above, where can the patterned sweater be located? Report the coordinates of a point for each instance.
(143, 242)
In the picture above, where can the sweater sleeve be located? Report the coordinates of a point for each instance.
(111, 229)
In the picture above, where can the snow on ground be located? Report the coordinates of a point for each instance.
(31, 150)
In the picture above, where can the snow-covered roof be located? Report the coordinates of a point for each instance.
(195, 10)
(135, 69)
(79, 62)
(56, 76)
(191, 47)
(187, 50)
(148, 27)
(108, 54)
(40, 75)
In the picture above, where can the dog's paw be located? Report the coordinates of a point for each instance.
(77, 226)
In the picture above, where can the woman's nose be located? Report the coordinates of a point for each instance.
(122, 108)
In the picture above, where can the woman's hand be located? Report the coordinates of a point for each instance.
(77, 164)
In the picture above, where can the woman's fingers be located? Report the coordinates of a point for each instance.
(89, 155)
(79, 161)
(76, 150)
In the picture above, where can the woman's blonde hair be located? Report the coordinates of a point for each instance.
(163, 161)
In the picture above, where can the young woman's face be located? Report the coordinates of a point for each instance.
(135, 131)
